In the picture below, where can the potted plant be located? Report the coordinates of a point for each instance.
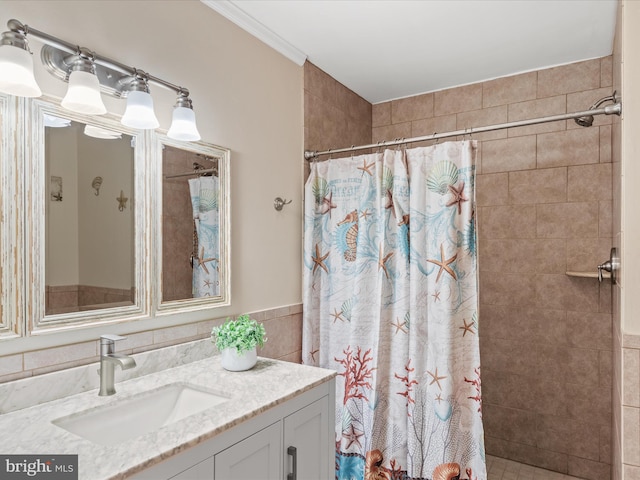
(237, 341)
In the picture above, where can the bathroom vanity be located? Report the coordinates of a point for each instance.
(271, 421)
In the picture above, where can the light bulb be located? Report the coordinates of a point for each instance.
(183, 125)
(16, 72)
(139, 112)
(83, 94)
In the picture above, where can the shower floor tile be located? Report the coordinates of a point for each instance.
(502, 469)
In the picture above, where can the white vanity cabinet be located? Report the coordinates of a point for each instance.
(259, 448)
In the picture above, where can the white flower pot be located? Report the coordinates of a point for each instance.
(237, 363)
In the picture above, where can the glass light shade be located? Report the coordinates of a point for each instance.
(139, 112)
(16, 72)
(97, 132)
(83, 94)
(55, 122)
(183, 125)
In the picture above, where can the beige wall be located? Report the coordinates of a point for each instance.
(246, 96)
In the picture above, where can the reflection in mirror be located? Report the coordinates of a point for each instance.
(191, 250)
(89, 217)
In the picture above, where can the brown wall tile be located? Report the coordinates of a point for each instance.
(518, 153)
(492, 189)
(589, 182)
(412, 108)
(538, 186)
(508, 255)
(429, 126)
(460, 99)
(391, 132)
(570, 147)
(507, 221)
(543, 107)
(516, 88)
(551, 255)
(606, 71)
(481, 118)
(566, 293)
(381, 114)
(567, 220)
(574, 77)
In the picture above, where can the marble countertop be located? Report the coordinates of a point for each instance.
(269, 383)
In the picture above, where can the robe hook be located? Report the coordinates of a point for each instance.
(280, 202)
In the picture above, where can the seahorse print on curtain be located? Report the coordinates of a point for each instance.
(391, 304)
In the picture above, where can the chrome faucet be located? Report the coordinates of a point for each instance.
(108, 361)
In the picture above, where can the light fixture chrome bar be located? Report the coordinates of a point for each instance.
(59, 44)
(615, 109)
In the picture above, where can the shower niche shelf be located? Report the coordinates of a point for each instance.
(588, 274)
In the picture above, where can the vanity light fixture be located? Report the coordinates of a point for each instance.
(139, 112)
(88, 74)
(16, 66)
(183, 124)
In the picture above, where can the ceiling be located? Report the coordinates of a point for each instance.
(387, 49)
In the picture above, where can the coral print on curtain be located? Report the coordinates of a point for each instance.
(204, 200)
(391, 304)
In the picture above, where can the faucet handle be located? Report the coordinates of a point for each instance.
(109, 337)
(107, 343)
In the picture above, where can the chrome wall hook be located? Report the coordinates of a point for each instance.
(279, 202)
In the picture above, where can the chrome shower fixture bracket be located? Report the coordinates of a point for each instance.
(587, 120)
(60, 64)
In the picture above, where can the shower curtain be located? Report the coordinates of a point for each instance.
(204, 201)
(390, 303)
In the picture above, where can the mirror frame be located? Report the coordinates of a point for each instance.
(193, 304)
(11, 208)
(34, 226)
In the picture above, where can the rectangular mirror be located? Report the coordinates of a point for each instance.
(194, 225)
(89, 224)
(88, 198)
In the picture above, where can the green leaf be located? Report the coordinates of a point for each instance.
(242, 334)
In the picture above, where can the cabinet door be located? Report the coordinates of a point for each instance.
(200, 471)
(255, 457)
(308, 431)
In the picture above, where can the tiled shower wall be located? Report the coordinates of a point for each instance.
(544, 208)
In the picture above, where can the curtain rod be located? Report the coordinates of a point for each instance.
(199, 172)
(615, 109)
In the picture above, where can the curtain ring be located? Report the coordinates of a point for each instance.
(437, 139)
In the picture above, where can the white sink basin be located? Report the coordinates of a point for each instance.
(139, 414)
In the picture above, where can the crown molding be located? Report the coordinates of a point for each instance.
(232, 12)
